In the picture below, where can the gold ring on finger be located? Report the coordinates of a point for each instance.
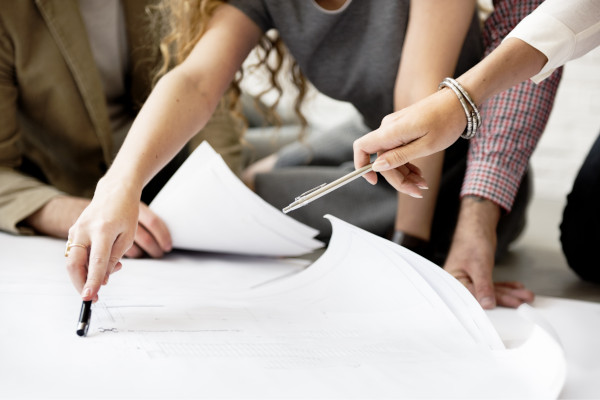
(70, 245)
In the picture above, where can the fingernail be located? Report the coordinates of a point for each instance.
(487, 302)
(423, 187)
(416, 196)
(380, 164)
(86, 292)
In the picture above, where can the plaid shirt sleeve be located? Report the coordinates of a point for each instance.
(513, 121)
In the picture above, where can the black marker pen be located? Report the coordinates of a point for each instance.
(84, 318)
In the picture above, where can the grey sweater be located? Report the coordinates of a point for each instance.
(351, 54)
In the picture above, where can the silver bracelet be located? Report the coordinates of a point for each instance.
(471, 111)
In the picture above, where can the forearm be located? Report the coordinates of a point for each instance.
(57, 216)
(432, 42)
(477, 216)
(514, 61)
(184, 99)
(174, 112)
(513, 122)
(431, 48)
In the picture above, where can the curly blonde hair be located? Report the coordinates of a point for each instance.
(182, 23)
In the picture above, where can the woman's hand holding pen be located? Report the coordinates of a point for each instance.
(105, 231)
(107, 228)
(424, 128)
(437, 121)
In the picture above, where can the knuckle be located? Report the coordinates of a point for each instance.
(104, 227)
(397, 158)
(94, 282)
(387, 119)
(98, 260)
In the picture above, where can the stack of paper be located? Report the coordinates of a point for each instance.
(206, 207)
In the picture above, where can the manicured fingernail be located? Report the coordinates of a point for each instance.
(86, 292)
(423, 187)
(487, 302)
(416, 196)
(380, 164)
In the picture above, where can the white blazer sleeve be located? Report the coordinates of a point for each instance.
(561, 29)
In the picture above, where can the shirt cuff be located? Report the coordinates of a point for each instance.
(493, 183)
(558, 46)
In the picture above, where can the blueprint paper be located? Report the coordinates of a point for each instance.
(361, 322)
(206, 207)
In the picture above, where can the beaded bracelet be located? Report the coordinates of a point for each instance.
(471, 111)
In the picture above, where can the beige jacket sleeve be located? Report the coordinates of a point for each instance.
(20, 195)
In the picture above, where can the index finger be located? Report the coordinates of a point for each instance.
(77, 263)
(100, 252)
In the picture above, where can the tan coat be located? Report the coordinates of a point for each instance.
(55, 134)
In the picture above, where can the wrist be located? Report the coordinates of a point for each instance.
(478, 216)
(471, 110)
(56, 216)
(511, 63)
(450, 110)
(122, 184)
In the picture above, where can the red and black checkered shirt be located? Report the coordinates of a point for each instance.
(513, 121)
